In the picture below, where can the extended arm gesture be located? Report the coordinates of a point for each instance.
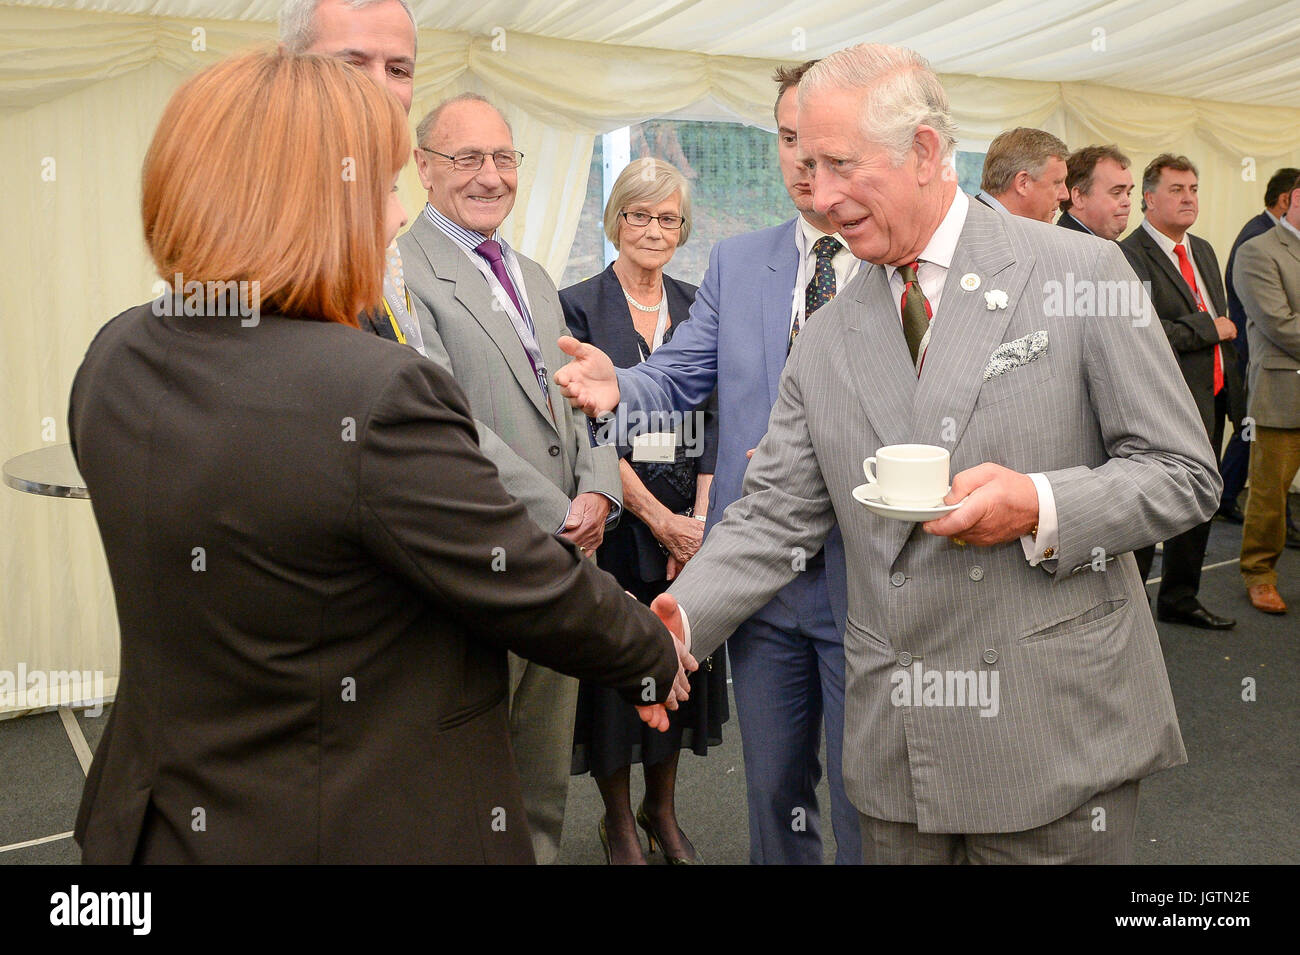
(589, 381)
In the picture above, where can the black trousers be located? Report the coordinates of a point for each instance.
(1180, 575)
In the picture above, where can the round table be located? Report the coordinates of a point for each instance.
(52, 472)
(49, 471)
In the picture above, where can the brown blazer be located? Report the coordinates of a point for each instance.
(318, 575)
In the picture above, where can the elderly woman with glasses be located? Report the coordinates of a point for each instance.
(628, 311)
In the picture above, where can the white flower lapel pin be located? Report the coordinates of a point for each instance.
(995, 298)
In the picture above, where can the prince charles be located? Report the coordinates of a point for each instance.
(1073, 441)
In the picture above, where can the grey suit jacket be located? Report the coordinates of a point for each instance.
(544, 463)
(1266, 276)
(1082, 701)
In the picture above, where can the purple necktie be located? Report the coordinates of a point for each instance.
(490, 249)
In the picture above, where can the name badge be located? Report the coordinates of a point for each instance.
(656, 448)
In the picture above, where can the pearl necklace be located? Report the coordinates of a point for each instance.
(644, 308)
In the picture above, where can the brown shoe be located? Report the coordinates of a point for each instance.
(1266, 598)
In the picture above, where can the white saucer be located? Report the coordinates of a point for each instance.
(869, 495)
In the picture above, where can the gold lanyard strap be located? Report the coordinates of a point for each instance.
(392, 320)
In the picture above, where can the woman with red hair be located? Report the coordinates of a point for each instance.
(317, 573)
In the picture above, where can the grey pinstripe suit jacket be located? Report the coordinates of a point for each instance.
(1084, 701)
(543, 463)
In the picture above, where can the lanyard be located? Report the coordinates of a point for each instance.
(662, 325)
(392, 320)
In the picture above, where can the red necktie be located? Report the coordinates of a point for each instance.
(1189, 276)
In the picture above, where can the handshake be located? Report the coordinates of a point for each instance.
(656, 715)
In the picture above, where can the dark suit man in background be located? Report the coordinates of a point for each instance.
(1277, 199)
(1183, 276)
(1267, 276)
(1024, 174)
(1099, 186)
(492, 317)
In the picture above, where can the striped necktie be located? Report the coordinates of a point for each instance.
(915, 309)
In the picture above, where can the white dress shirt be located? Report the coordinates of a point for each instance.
(844, 264)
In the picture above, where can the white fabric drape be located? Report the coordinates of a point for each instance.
(1242, 52)
(81, 90)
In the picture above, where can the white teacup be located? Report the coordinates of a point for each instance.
(909, 475)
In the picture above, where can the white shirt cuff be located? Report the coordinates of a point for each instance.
(686, 626)
(1044, 545)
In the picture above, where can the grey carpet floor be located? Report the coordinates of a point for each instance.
(1234, 802)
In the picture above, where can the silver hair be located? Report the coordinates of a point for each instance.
(650, 181)
(430, 121)
(298, 22)
(902, 94)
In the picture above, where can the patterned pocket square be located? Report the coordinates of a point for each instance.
(1014, 354)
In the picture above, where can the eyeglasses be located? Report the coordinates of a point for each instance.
(642, 219)
(473, 162)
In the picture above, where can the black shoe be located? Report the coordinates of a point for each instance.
(656, 843)
(603, 832)
(604, 840)
(1232, 514)
(1200, 618)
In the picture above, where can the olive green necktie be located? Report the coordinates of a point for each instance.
(915, 308)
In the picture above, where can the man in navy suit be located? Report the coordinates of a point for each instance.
(1236, 457)
(788, 659)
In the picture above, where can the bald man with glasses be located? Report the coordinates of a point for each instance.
(493, 317)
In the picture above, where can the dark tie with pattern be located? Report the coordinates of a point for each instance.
(915, 308)
(822, 287)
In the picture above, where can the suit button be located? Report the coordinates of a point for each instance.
(898, 578)
(554, 450)
(977, 573)
(904, 659)
(990, 656)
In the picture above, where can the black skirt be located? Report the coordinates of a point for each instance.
(608, 733)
